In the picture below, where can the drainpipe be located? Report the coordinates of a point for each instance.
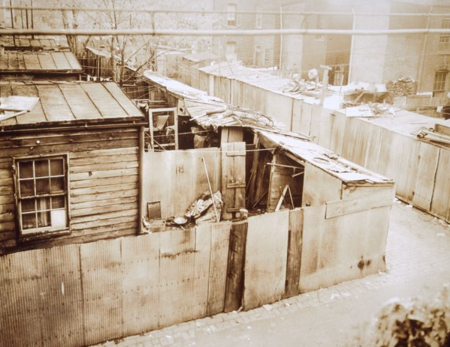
(422, 56)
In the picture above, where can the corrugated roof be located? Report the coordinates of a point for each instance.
(198, 57)
(323, 158)
(69, 102)
(39, 62)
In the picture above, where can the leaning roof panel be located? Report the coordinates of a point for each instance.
(39, 62)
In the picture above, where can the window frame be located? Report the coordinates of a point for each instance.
(439, 83)
(232, 13)
(28, 234)
(445, 38)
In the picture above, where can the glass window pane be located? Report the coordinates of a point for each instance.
(43, 204)
(29, 221)
(57, 185)
(43, 186)
(27, 188)
(41, 168)
(56, 167)
(28, 205)
(26, 169)
(43, 219)
(58, 202)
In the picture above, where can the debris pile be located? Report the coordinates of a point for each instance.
(402, 87)
(204, 209)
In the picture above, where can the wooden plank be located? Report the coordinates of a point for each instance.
(235, 269)
(294, 255)
(233, 172)
(319, 187)
(92, 204)
(103, 174)
(54, 104)
(267, 238)
(141, 290)
(106, 158)
(103, 219)
(373, 148)
(73, 61)
(102, 152)
(325, 126)
(80, 104)
(103, 209)
(102, 189)
(296, 115)
(106, 196)
(101, 285)
(305, 123)
(220, 242)
(108, 181)
(425, 177)
(440, 203)
(343, 207)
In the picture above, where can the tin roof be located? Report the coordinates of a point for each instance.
(68, 102)
(39, 62)
(172, 86)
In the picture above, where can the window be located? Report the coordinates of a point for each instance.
(258, 17)
(439, 81)
(41, 194)
(445, 38)
(231, 15)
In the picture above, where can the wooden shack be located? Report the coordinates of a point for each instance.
(69, 163)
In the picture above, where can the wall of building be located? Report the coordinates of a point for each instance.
(103, 167)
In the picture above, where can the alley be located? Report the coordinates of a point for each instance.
(418, 260)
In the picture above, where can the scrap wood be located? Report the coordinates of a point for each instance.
(280, 201)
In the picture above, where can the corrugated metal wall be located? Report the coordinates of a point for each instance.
(84, 294)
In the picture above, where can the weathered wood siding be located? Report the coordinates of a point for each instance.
(102, 174)
(54, 297)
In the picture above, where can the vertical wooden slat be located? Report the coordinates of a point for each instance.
(267, 238)
(235, 272)
(220, 241)
(441, 195)
(294, 256)
(102, 290)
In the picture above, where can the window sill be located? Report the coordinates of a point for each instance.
(44, 234)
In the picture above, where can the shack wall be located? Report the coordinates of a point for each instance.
(178, 178)
(103, 167)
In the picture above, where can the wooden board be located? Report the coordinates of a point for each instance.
(267, 238)
(343, 207)
(325, 127)
(220, 241)
(425, 177)
(79, 102)
(235, 267)
(440, 203)
(294, 255)
(233, 178)
(102, 285)
(319, 187)
(305, 123)
(297, 108)
(54, 104)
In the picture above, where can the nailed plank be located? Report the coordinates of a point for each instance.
(101, 152)
(103, 173)
(233, 174)
(267, 238)
(220, 241)
(101, 284)
(319, 186)
(140, 266)
(105, 196)
(102, 189)
(426, 173)
(236, 262)
(343, 207)
(107, 218)
(117, 207)
(294, 256)
(104, 159)
(440, 204)
(103, 181)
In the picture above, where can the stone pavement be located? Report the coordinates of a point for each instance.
(418, 261)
